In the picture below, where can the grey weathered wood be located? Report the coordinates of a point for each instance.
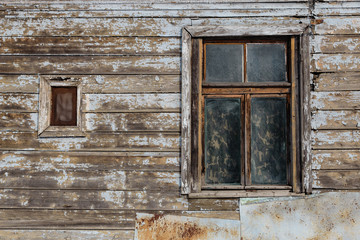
(338, 179)
(336, 159)
(335, 62)
(349, 81)
(336, 44)
(342, 120)
(90, 65)
(13, 121)
(342, 100)
(330, 139)
(337, 8)
(17, 102)
(186, 113)
(19, 83)
(339, 26)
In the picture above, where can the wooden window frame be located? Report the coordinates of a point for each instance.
(192, 74)
(45, 107)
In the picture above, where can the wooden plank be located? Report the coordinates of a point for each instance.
(336, 159)
(66, 234)
(98, 83)
(66, 219)
(62, 178)
(19, 102)
(335, 62)
(91, 161)
(100, 142)
(331, 139)
(90, 64)
(244, 10)
(339, 26)
(335, 120)
(158, 27)
(105, 122)
(339, 8)
(337, 81)
(337, 179)
(95, 200)
(213, 204)
(131, 102)
(342, 100)
(336, 44)
(89, 45)
(18, 121)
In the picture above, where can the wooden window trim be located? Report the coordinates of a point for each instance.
(191, 45)
(45, 129)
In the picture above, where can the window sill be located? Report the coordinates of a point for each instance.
(244, 194)
(63, 131)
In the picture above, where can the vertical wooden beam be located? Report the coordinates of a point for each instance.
(186, 112)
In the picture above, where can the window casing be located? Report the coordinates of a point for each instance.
(209, 166)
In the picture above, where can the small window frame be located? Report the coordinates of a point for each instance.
(192, 61)
(45, 129)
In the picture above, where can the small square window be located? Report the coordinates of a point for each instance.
(59, 108)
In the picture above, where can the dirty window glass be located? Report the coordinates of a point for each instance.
(222, 140)
(268, 140)
(63, 106)
(224, 63)
(266, 62)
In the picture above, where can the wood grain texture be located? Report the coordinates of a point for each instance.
(330, 139)
(19, 83)
(336, 44)
(335, 62)
(157, 27)
(90, 45)
(336, 159)
(94, 142)
(89, 199)
(342, 100)
(339, 26)
(349, 81)
(18, 121)
(66, 234)
(90, 65)
(335, 120)
(19, 102)
(337, 8)
(338, 179)
(213, 204)
(131, 102)
(113, 122)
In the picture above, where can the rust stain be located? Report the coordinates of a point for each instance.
(165, 227)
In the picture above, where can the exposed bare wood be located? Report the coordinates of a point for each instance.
(339, 25)
(344, 139)
(335, 62)
(18, 121)
(90, 45)
(100, 161)
(90, 64)
(336, 159)
(66, 234)
(336, 44)
(131, 102)
(72, 199)
(213, 204)
(337, 8)
(335, 120)
(337, 81)
(100, 142)
(19, 83)
(337, 179)
(243, 194)
(345, 100)
(158, 27)
(19, 102)
(107, 122)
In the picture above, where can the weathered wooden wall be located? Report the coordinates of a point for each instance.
(127, 54)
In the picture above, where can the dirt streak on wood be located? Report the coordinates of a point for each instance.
(19, 102)
(90, 64)
(336, 159)
(18, 121)
(337, 81)
(90, 199)
(335, 120)
(337, 179)
(90, 45)
(100, 142)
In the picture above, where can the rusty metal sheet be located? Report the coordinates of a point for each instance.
(334, 215)
(164, 227)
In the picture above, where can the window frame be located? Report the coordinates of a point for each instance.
(192, 60)
(45, 128)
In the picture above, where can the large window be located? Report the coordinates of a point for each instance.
(244, 130)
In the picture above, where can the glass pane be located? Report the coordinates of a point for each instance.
(224, 62)
(63, 103)
(268, 140)
(222, 141)
(266, 62)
